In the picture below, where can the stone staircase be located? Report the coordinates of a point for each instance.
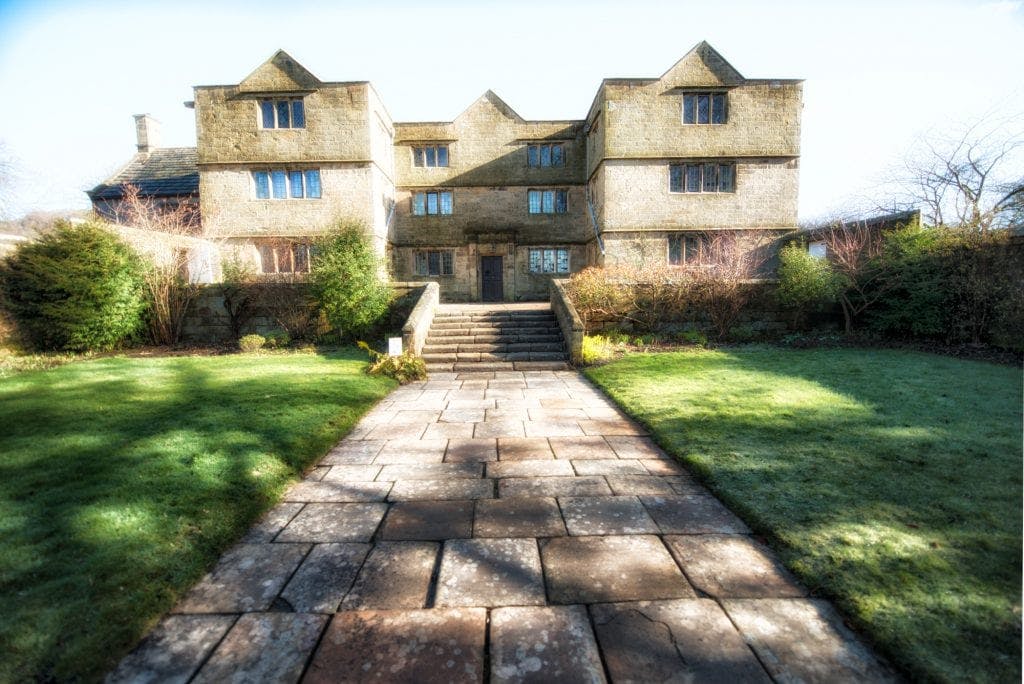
(467, 338)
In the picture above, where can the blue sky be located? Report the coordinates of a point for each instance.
(878, 74)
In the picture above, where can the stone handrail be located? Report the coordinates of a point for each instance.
(416, 328)
(569, 321)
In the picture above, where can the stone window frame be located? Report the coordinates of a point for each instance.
(688, 248)
(691, 177)
(292, 106)
(421, 155)
(557, 207)
(536, 260)
(308, 178)
(440, 192)
(535, 155)
(691, 108)
(421, 262)
(296, 253)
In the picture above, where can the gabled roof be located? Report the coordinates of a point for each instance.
(702, 66)
(162, 172)
(490, 99)
(280, 73)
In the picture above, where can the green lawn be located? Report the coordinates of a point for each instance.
(888, 481)
(122, 479)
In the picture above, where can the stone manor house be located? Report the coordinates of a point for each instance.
(489, 205)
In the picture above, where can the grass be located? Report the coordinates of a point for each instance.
(122, 479)
(888, 481)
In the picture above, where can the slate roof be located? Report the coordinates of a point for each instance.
(162, 172)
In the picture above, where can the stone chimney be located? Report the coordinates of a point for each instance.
(147, 131)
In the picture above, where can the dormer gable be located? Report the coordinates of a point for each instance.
(279, 74)
(489, 101)
(702, 66)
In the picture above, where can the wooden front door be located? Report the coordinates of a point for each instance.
(492, 275)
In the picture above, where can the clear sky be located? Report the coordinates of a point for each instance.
(878, 74)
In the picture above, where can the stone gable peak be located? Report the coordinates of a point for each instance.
(702, 66)
(280, 73)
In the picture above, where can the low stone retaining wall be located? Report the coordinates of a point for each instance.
(417, 326)
(569, 321)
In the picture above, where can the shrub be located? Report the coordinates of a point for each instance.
(694, 337)
(805, 282)
(239, 290)
(405, 368)
(277, 339)
(913, 297)
(251, 343)
(346, 281)
(77, 288)
(597, 349)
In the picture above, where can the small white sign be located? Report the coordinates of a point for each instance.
(394, 346)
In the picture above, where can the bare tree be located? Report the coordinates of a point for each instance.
(6, 180)
(971, 180)
(852, 249)
(726, 276)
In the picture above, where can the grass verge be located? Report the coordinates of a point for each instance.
(122, 480)
(888, 481)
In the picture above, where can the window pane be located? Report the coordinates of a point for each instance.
(432, 203)
(298, 114)
(718, 108)
(535, 260)
(431, 156)
(689, 109)
(300, 254)
(442, 155)
(267, 110)
(280, 180)
(295, 183)
(434, 263)
(556, 155)
(446, 263)
(284, 259)
(534, 201)
(711, 178)
(421, 263)
(533, 155)
(267, 259)
(446, 203)
(262, 180)
(692, 178)
(725, 180)
(675, 178)
(675, 250)
(549, 261)
(692, 246)
(703, 105)
(313, 183)
(419, 204)
(548, 206)
(282, 114)
(561, 201)
(417, 156)
(563, 260)
(545, 155)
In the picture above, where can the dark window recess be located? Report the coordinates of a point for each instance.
(281, 184)
(434, 263)
(704, 108)
(702, 177)
(688, 249)
(430, 156)
(547, 201)
(545, 155)
(432, 203)
(289, 113)
(284, 257)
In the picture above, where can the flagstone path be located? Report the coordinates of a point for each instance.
(510, 526)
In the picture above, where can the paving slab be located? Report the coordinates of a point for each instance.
(264, 647)
(518, 517)
(532, 468)
(471, 450)
(636, 447)
(607, 569)
(579, 448)
(490, 572)
(522, 449)
(245, 579)
(657, 466)
(353, 452)
(611, 427)
(641, 485)
(389, 431)
(396, 575)
(428, 520)
(351, 473)
(549, 644)
(414, 417)
(402, 646)
(324, 577)
(678, 641)
(552, 428)
(412, 451)
(449, 431)
(553, 486)
(316, 473)
(173, 651)
(337, 491)
(334, 522)
(463, 415)
(804, 640)
(693, 514)
(602, 515)
(441, 490)
(503, 427)
(608, 466)
(732, 566)
(431, 471)
(272, 522)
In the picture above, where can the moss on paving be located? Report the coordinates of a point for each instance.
(888, 481)
(122, 480)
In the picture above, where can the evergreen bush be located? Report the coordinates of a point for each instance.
(346, 281)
